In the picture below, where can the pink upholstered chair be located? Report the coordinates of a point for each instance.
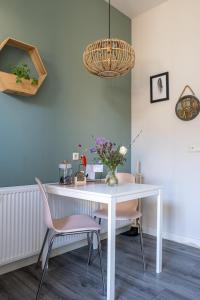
(124, 211)
(74, 224)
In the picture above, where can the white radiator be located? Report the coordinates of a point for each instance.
(21, 227)
(21, 223)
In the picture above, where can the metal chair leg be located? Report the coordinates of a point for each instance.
(93, 257)
(43, 244)
(88, 240)
(45, 267)
(90, 246)
(141, 244)
(100, 259)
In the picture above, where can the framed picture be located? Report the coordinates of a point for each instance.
(159, 87)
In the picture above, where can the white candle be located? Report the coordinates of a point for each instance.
(138, 167)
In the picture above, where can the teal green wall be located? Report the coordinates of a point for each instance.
(36, 133)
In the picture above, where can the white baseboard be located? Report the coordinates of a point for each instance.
(175, 238)
(58, 251)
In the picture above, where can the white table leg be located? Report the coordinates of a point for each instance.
(111, 250)
(159, 233)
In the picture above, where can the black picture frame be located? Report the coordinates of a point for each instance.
(159, 87)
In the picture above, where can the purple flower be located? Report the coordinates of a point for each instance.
(93, 150)
(79, 145)
(101, 140)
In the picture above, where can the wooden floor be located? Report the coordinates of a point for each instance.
(67, 277)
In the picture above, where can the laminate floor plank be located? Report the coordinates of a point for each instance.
(69, 279)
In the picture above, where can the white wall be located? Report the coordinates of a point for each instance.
(167, 38)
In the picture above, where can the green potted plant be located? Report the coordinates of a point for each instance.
(22, 71)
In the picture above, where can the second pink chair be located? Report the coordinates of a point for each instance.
(126, 211)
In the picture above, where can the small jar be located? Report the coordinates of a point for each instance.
(65, 173)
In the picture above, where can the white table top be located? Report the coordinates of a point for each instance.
(120, 192)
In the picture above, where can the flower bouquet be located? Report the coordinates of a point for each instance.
(111, 156)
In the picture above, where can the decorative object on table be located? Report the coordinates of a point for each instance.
(8, 82)
(108, 154)
(65, 173)
(80, 178)
(91, 171)
(159, 87)
(111, 156)
(188, 106)
(22, 71)
(109, 57)
(83, 159)
(81, 156)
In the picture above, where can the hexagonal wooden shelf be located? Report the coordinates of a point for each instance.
(8, 81)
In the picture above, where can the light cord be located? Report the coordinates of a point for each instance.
(109, 20)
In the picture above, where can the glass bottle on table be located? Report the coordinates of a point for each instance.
(65, 173)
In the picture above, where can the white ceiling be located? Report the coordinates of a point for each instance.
(132, 8)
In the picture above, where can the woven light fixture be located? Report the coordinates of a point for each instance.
(110, 57)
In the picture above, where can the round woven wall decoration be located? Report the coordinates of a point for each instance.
(109, 58)
(188, 106)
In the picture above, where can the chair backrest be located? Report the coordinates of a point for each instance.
(46, 211)
(130, 205)
(125, 178)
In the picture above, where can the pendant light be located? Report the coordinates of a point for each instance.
(109, 58)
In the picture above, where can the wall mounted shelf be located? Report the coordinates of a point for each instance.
(8, 81)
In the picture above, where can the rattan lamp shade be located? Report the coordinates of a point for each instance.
(109, 58)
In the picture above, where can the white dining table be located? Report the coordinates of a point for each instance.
(102, 193)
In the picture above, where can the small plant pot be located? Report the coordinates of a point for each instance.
(8, 85)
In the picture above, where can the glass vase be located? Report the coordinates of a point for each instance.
(111, 178)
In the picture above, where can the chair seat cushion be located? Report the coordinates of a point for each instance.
(75, 223)
(121, 215)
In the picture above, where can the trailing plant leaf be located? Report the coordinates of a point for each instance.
(34, 81)
(22, 71)
(18, 80)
